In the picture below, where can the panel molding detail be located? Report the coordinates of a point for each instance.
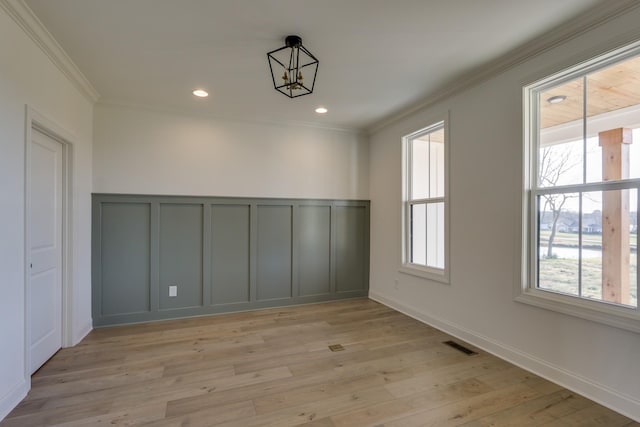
(223, 254)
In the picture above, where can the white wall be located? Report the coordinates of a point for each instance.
(139, 151)
(486, 195)
(27, 76)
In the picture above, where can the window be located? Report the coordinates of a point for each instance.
(425, 203)
(583, 158)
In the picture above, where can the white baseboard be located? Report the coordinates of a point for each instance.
(82, 332)
(19, 391)
(13, 397)
(604, 395)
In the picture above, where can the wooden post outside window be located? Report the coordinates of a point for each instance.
(615, 216)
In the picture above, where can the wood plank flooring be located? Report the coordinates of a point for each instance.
(274, 368)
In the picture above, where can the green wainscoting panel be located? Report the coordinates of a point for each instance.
(181, 255)
(274, 252)
(314, 250)
(223, 254)
(352, 231)
(230, 249)
(124, 265)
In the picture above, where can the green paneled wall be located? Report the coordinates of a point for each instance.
(223, 254)
(314, 250)
(230, 249)
(125, 255)
(181, 263)
(274, 271)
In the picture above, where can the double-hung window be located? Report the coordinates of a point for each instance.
(425, 203)
(582, 149)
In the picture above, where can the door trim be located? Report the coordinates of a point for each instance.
(35, 120)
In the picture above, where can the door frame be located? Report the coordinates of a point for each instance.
(35, 120)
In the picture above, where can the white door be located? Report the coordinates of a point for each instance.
(45, 218)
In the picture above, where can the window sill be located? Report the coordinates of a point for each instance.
(434, 274)
(608, 314)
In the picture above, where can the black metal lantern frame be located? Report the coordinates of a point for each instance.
(293, 68)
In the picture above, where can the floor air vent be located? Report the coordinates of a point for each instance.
(336, 347)
(461, 348)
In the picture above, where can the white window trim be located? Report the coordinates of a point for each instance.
(406, 267)
(619, 316)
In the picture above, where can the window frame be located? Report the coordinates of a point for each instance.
(407, 267)
(611, 314)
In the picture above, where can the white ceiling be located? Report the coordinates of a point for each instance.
(377, 57)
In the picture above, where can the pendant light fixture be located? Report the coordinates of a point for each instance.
(293, 68)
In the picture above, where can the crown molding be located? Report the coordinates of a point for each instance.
(33, 27)
(594, 17)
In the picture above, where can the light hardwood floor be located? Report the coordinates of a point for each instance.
(274, 367)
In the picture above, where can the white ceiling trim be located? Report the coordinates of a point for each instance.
(33, 27)
(595, 17)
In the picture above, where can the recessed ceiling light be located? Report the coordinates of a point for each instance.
(556, 99)
(201, 93)
(321, 110)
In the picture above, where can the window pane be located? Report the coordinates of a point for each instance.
(592, 245)
(634, 154)
(561, 134)
(435, 235)
(633, 261)
(561, 105)
(436, 164)
(418, 234)
(609, 266)
(613, 154)
(560, 164)
(613, 103)
(558, 238)
(613, 88)
(633, 226)
(594, 160)
(426, 184)
(420, 168)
